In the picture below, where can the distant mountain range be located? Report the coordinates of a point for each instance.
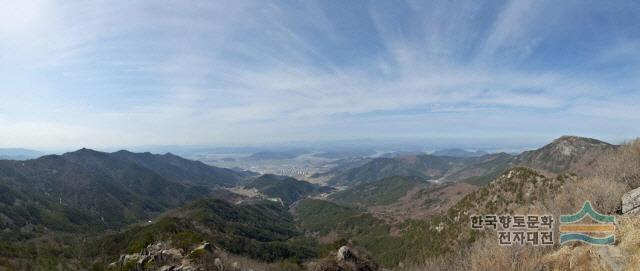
(459, 153)
(563, 155)
(18, 154)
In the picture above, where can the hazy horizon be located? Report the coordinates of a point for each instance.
(507, 145)
(237, 73)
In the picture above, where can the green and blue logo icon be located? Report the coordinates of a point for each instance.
(601, 231)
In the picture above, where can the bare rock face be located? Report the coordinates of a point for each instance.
(344, 253)
(354, 259)
(347, 258)
(160, 256)
(631, 202)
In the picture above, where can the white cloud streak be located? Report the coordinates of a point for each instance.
(250, 71)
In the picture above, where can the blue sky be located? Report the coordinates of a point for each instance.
(124, 73)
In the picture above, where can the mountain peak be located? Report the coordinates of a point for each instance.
(566, 154)
(571, 145)
(169, 154)
(578, 140)
(84, 151)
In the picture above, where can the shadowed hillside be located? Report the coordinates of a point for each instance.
(177, 169)
(287, 189)
(91, 191)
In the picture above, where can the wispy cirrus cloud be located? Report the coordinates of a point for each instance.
(261, 71)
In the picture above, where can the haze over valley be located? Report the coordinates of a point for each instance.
(249, 135)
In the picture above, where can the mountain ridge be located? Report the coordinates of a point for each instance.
(91, 189)
(455, 152)
(567, 154)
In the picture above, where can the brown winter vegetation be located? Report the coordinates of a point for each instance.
(611, 176)
(628, 235)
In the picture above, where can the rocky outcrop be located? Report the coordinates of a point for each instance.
(160, 256)
(201, 257)
(631, 202)
(353, 259)
(347, 258)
